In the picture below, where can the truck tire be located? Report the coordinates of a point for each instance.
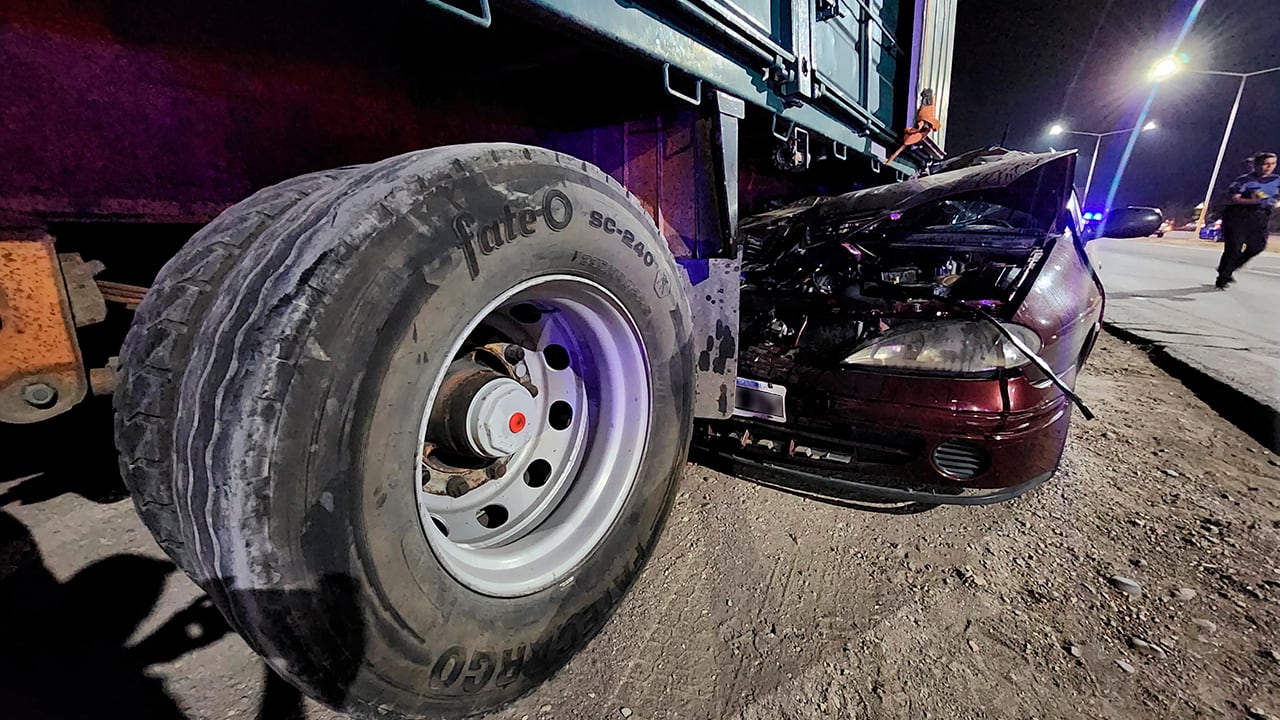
(157, 347)
(420, 433)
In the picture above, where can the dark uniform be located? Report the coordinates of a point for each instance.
(1244, 227)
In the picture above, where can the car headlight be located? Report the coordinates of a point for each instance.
(953, 346)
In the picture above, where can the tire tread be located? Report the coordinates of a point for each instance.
(153, 355)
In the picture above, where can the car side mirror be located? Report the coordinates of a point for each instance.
(1131, 222)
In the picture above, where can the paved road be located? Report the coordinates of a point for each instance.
(1163, 292)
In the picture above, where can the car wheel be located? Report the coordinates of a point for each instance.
(422, 428)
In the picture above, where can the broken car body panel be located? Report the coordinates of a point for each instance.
(886, 315)
(1046, 176)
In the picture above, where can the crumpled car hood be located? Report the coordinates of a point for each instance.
(1038, 183)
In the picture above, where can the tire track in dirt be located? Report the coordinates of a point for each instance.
(958, 612)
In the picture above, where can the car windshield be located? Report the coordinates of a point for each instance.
(972, 213)
(950, 214)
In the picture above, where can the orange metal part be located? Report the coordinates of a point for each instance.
(926, 123)
(38, 348)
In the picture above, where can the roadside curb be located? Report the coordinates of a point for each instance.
(1191, 241)
(1256, 418)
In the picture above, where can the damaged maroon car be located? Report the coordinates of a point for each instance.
(917, 342)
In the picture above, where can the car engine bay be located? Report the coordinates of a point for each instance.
(821, 298)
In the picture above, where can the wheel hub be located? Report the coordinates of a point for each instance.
(480, 421)
(534, 435)
(497, 419)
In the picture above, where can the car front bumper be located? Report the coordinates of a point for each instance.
(972, 442)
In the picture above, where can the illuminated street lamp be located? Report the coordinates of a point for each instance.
(1060, 129)
(1166, 68)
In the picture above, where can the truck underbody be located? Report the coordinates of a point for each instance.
(128, 127)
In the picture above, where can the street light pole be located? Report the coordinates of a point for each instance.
(1226, 136)
(1172, 65)
(1097, 146)
(1222, 151)
(1093, 162)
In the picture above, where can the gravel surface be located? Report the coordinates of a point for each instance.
(1143, 582)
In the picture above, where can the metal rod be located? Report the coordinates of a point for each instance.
(763, 46)
(1099, 135)
(1226, 73)
(127, 295)
(484, 18)
(1093, 162)
(1222, 151)
(897, 47)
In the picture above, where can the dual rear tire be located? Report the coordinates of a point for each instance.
(294, 431)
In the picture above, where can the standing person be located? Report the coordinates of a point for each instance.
(1244, 220)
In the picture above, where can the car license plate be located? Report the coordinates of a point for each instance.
(760, 399)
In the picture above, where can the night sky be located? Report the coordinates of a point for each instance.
(1027, 64)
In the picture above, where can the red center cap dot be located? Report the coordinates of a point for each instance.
(517, 422)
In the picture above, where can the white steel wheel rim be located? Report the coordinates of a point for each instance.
(552, 526)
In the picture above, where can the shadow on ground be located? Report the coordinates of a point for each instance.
(66, 653)
(71, 453)
(65, 642)
(828, 493)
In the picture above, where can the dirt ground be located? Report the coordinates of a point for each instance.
(761, 605)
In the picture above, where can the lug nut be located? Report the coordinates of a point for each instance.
(457, 487)
(41, 396)
(513, 354)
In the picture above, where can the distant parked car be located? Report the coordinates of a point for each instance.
(1212, 231)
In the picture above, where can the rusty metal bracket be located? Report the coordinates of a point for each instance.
(41, 372)
(103, 380)
(88, 307)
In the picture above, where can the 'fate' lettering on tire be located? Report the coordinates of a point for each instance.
(603, 222)
(483, 238)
